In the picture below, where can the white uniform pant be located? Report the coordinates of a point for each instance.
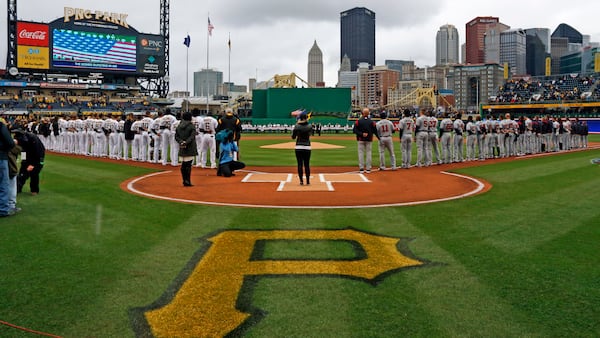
(209, 149)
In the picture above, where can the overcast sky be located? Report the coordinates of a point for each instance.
(271, 37)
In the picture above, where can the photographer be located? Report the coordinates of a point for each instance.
(227, 147)
(33, 162)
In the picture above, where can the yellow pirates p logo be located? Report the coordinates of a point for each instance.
(205, 303)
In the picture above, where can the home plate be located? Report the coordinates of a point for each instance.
(291, 182)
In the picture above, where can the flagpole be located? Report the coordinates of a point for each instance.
(229, 67)
(207, 47)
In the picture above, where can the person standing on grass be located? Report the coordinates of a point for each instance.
(6, 144)
(302, 133)
(385, 129)
(185, 135)
(364, 129)
(406, 129)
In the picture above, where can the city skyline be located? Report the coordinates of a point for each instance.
(269, 39)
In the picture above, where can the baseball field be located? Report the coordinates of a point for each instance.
(89, 258)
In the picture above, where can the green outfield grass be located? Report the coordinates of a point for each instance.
(518, 261)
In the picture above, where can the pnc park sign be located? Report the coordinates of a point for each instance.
(207, 299)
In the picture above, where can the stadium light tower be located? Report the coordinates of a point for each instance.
(163, 82)
(11, 56)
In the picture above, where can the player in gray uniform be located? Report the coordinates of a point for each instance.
(433, 139)
(507, 127)
(459, 128)
(406, 128)
(422, 137)
(528, 143)
(471, 129)
(446, 127)
(385, 129)
(481, 137)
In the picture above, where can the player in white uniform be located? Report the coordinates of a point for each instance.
(209, 146)
(136, 144)
(167, 136)
(121, 143)
(385, 129)
(406, 129)
(157, 137)
(145, 126)
(110, 126)
(198, 122)
(174, 145)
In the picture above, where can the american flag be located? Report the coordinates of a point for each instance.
(74, 47)
(210, 27)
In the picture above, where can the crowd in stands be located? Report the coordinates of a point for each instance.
(572, 87)
(75, 103)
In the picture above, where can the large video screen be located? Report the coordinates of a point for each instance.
(93, 51)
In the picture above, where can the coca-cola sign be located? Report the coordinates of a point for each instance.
(32, 34)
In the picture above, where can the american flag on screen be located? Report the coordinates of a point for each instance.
(94, 48)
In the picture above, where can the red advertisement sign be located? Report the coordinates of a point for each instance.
(32, 34)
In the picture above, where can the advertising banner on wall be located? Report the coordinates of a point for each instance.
(33, 57)
(32, 34)
(151, 51)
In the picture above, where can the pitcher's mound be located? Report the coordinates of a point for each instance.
(292, 145)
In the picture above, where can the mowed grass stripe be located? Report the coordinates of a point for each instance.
(61, 277)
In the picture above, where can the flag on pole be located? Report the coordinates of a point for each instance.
(187, 40)
(229, 43)
(210, 27)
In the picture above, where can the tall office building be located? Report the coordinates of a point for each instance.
(374, 85)
(538, 49)
(208, 82)
(475, 34)
(513, 48)
(491, 42)
(564, 39)
(358, 36)
(446, 45)
(315, 66)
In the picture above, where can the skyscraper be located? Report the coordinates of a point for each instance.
(446, 46)
(208, 82)
(513, 46)
(475, 34)
(358, 36)
(538, 49)
(315, 65)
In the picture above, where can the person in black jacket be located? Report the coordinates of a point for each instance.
(6, 144)
(364, 129)
(301, 133)
(33, 163)
(129, 135)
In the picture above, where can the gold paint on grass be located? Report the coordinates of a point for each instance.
(205, 305)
